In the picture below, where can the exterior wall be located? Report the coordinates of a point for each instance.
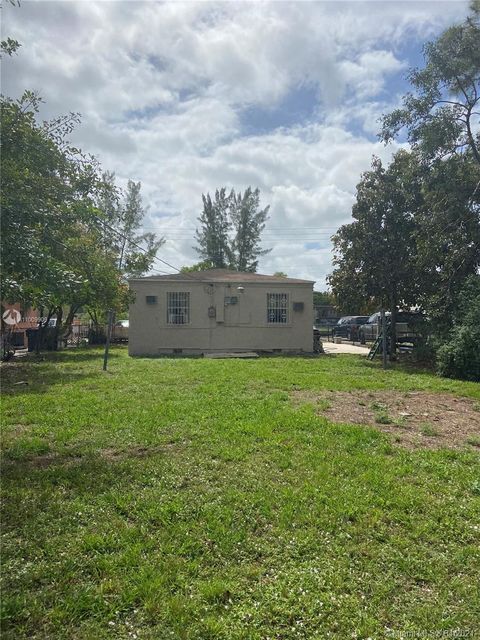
(29, 320)
(238, 327)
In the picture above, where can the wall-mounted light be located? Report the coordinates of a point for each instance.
(240, 289)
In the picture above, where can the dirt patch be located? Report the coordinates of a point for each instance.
(110, 454)
(415, 419)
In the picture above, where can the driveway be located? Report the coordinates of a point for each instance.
(346, 347)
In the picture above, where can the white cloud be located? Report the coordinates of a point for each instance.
(163, 90)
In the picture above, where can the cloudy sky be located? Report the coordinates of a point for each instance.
(190, 96)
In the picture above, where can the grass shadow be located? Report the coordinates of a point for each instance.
(36, 374)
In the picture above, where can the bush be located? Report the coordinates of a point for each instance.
(460, 356)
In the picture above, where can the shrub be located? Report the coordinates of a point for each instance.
(460, 356)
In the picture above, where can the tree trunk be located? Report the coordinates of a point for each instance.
(58, 326)
(65, 329)
(94, 318)
(41, 329)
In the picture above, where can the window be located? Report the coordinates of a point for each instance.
(151, 299)
(178, 307)
(277, 308)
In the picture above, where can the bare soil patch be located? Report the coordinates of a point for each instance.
(110, 454)
(415, 419)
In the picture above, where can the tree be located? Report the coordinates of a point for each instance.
(447, 237)
(122, 214)
(50, 235)
(231, 225)
(199, 266)
(9, 46)
(441, 115)
(45, 197)
(459, 357)
(374, 256)
(59, 253)
(248, 222)
(323, 298)
(212, 238)
(130, 253)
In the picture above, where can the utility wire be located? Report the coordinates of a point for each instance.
(124, 237)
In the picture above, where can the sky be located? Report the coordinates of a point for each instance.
(188, 97)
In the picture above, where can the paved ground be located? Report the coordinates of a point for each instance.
(346, 347)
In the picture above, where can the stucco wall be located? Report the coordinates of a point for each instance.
(239, 327)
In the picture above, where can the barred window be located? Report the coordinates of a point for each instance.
(178, 307)
(277, 308)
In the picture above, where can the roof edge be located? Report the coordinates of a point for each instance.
(221, 275)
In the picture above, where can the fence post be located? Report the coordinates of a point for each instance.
(384, 338)
(107, 339)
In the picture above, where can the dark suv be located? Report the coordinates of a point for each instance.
(347, 327)
(407, 325)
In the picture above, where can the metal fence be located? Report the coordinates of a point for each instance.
(79, 335)
(326, 331)
(85, 334)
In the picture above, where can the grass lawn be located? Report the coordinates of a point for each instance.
(193, 499)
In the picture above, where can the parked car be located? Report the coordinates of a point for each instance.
(120, 331)
(347, 327)
(406, 326)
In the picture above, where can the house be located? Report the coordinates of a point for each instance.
(16, 320)
(219, 310)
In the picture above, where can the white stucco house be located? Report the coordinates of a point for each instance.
(219, 310)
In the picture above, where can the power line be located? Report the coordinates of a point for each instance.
(121, 235)
(323, 236)
(267, 229)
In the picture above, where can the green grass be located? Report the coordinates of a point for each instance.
(192, 499)
(381, 414)
(428, 430)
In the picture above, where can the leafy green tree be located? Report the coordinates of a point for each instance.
(199, 266)
(51, 242)
(459, 356)
(59, 253)
(441, 114)
(45, 197)
(447, 237)
(9, 46)
(374, 256)
(323, 298)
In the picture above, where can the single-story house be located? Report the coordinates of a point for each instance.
(219, 310)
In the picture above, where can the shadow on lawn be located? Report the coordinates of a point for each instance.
(36, 374)
(55, 480)
(89, 477)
